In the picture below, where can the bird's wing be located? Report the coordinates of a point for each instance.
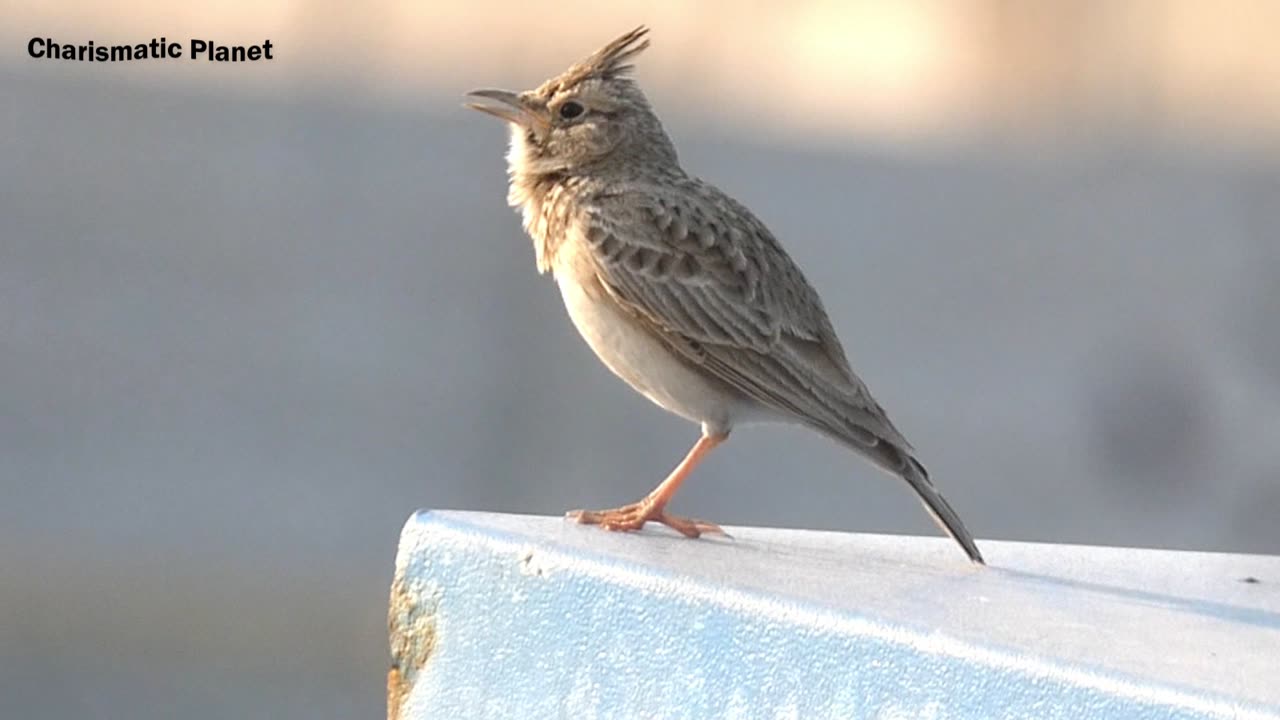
(712, 282)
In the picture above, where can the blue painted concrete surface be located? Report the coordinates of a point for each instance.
(498, 616)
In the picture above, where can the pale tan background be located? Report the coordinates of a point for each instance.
(252, 316)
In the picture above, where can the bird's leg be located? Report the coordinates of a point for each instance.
(653, 506)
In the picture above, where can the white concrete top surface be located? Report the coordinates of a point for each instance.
(1204, 627)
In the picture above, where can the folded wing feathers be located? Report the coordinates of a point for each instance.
(713, 282)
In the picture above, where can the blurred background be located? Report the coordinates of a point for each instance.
(252, 316)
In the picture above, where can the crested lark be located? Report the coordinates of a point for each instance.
(676, 286)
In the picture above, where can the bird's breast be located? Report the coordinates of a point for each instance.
(546, 209)
(634, 353)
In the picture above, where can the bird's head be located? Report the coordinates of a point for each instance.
(589, 117)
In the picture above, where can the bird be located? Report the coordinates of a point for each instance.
(679, 289)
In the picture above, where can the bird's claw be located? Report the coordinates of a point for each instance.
(633, 517)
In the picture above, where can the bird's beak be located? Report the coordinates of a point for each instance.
(513, 109)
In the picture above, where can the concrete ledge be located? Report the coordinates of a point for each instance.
(507, 616)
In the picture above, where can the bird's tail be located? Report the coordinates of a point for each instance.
(918, 478)
(900, 462)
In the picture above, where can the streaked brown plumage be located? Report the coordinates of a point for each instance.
(678, 288)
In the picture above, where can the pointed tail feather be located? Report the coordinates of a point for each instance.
(940, 509)
(900, 462)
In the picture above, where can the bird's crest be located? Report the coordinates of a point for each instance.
(608, 62)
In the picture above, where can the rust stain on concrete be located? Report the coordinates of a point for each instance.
(411, 625)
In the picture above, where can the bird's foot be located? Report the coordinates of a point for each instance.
(634, 516)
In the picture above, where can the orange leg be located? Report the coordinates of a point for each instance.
(653, 506)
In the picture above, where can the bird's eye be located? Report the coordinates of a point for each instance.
(571, 110)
